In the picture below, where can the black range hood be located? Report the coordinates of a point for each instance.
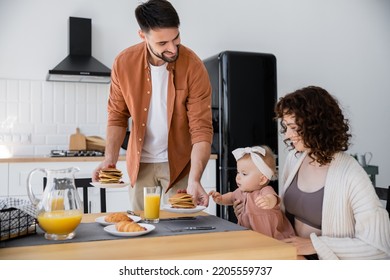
(79, 65)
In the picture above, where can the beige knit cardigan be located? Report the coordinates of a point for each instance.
(355, 224)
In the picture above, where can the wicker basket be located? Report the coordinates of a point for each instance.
(95, 143)
(16, 223)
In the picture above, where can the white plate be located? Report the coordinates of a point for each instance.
(106, 186)
(183, 210)
(112, 230)
(101, 220)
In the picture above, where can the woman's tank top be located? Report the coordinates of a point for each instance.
(304, 206)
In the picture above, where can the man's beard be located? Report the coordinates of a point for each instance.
(163, 57)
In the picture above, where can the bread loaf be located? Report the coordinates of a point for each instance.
(126, 226)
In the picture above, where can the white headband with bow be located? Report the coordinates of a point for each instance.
(257, 160)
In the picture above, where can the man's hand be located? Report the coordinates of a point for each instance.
(115, 136)
(200, 155)
(103, 165)
(199, 194)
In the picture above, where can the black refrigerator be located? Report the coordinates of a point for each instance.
(244, 95)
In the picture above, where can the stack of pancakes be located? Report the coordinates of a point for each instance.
(110, 176)
(181, 200)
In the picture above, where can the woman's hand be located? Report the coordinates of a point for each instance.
(303, 245)
(238, 207)
(266, 201)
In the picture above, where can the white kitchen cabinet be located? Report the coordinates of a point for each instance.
(18, 174)
(119, 201)
(209, 183)
(14, 182)
(3, 180)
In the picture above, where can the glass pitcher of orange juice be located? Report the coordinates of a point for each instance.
(60, 209)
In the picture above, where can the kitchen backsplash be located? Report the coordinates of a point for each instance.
(39, 116)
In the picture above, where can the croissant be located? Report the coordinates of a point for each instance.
(117, 217)
(126, 226)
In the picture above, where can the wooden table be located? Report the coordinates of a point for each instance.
(234, 245)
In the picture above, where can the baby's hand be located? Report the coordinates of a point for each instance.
(266, 201)
(217, 197)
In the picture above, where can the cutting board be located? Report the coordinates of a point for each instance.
(77, 141)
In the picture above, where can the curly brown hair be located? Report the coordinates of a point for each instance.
(320, 121)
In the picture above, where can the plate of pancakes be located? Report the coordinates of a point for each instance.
(110, 178)
(182, 203)
(196, 209)
(107, 185)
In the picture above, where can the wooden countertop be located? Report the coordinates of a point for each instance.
(234, 245)
(43, 158)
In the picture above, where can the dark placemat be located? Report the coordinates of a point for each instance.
(94, 232)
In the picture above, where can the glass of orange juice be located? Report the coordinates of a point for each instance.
(152, 204)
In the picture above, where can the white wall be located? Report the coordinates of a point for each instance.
(341, 45)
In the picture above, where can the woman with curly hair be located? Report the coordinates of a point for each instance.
(327, 195)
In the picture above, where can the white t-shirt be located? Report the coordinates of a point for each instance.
(155, 147)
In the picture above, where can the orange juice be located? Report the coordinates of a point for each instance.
(152, 206)
(59, 221)
(57, 203)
